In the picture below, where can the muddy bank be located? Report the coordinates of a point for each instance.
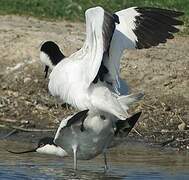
(161, 72)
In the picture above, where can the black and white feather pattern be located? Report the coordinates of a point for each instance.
(77, 79)
(154, 26)
(138, 28)
(100, 26)
(108, 29)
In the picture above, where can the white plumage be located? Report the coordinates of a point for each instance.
(72, 79)
(89, 78)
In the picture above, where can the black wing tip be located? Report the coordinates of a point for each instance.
(108, 28)
(122, 126)
(86, 111)
(81, 115)
(133, 119)
(173, 13)
(155, 26)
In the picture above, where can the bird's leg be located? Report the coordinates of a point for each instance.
(75, 156)
(105, 162)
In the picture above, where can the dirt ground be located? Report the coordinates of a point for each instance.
(161, 72)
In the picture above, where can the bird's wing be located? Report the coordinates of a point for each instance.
(139, 28)
(76, 118)
(100, 26)
(123, 128)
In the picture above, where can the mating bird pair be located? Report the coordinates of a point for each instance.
(89, 79)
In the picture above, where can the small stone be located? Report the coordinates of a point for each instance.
(2, 105)
(16, 77)
(27, 79)
(12, 93)
(57, 121)
(171, 120)
(36, 81)
(24, 122)
(164, 130)
(4, 86)
(15, 104)
(167, 107)
(41, 108)
(174, 76)
(34, 112)
(27, 103)
(182, 126)
(22, 98)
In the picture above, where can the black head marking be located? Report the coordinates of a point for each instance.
(53, 51)
(42, 142)
(46, 140)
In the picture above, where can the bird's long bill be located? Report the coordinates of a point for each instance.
(23, 152)
(46, 71)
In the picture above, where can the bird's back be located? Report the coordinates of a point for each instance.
(90, 142)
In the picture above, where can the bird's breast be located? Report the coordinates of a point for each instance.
(67, 82)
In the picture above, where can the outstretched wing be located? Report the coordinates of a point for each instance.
(100, 26)
(139, 28)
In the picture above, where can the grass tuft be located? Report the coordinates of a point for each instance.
(74, 9)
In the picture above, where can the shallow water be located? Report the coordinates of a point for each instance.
(131, 161)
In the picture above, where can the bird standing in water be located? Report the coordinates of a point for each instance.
(85, 140)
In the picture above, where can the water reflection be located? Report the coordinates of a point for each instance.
(132, 161)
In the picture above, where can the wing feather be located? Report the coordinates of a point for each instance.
(138, 28)
(100, 26)
(70, 120)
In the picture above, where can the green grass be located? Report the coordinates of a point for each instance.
(74, 9)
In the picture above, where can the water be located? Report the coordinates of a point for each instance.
(133, 162)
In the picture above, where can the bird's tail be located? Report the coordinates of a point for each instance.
(104, 100)
(123, 128)
(120, 105)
